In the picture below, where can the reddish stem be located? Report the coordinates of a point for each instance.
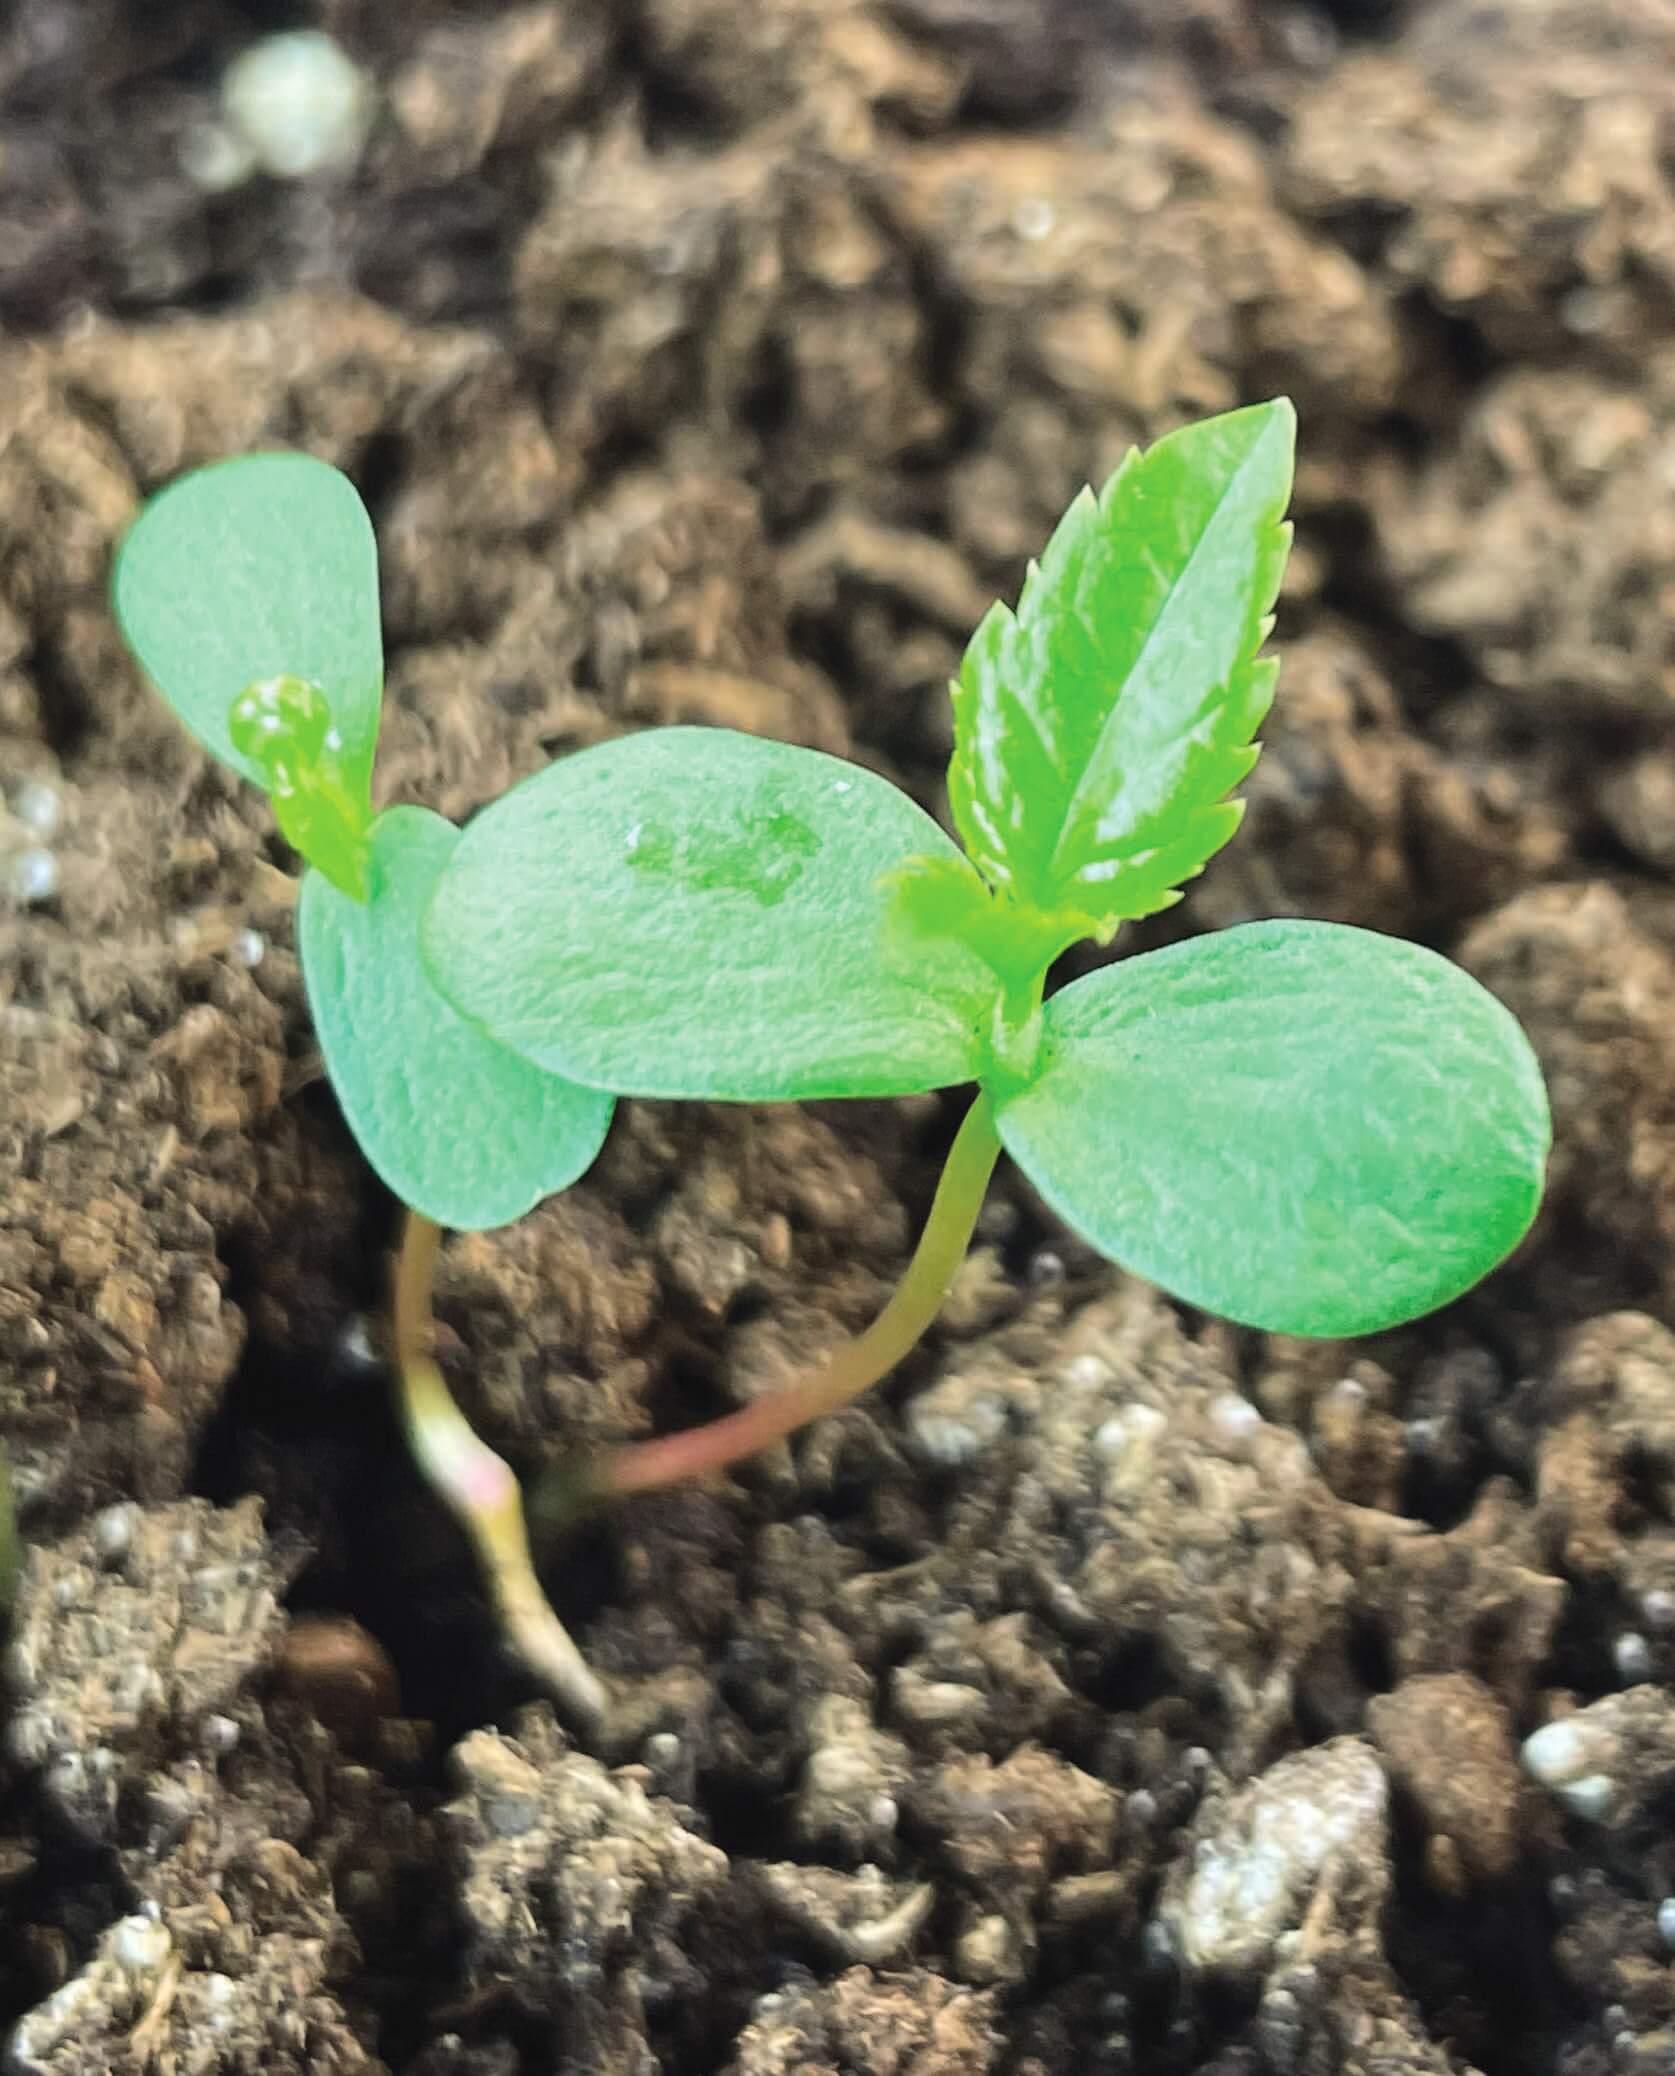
(701, 1451)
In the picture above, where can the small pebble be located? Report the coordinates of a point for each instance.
(1158, 1953)
(218, 1991)
(34, 875)
(1556, 1753)
(1633, 1658)
(141, 1945)
(1657, 1605)
(355, 1343)
(38, 806)
(248, 947)
(1566, 1757)
(221, 1734)
(1236, 1416)
(1666, 1922)
(953, 1440)
(1591, 1797)
(1134, 1424)
(1139, 1812)
(300, 102)
(113, 1532)
(216, 158)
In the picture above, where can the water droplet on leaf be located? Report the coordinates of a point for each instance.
(281, 724)
(760, 850)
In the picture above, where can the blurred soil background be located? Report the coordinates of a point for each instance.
(1114, 1693)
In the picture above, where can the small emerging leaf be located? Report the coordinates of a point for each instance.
(1100, 728)
(694, 912)
(284, 727)
(943, 897)
(463, 1130)
(1300, 1126)
(250, 570)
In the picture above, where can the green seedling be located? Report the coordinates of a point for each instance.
(1297, 1125)
(249, 593)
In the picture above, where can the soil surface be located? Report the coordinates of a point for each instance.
(1113, 1694)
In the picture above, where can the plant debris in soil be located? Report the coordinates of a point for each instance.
(1114, 1691)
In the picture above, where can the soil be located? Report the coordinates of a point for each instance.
(1113, 1692)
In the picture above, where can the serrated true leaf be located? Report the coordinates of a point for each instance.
(1100, 727)
(1300, 1126)
(254, 569)
(461, 1129)
(694, 912)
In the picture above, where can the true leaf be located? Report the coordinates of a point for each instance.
(1100, 727)
(694, 912)
(460, 1128)
(284, 725)
(1297, 1125)
(255, 569)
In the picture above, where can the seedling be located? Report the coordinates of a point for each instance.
(1298, 1125)
(249, 592)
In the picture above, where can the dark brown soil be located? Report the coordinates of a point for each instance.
(1113, 1694)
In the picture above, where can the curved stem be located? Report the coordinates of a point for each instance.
(477, 1486)
(700, 1451)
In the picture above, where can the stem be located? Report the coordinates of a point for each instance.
(701, 1451)
(477, 1486)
